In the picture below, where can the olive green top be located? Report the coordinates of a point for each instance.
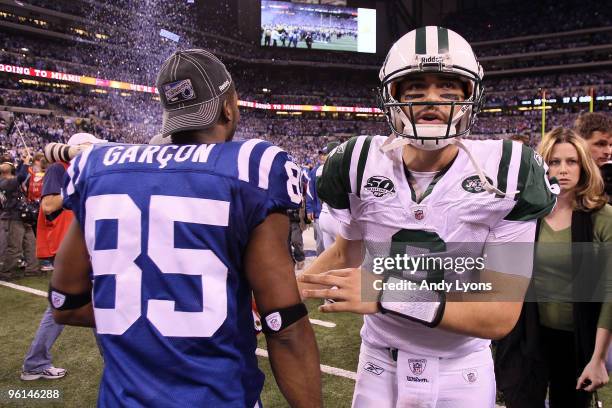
(553, 261)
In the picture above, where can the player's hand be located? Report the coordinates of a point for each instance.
(74, 151)
(594, 376)
(347, 295)
(26, 157)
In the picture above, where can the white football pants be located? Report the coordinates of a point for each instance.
(415, 381)
(329, 228)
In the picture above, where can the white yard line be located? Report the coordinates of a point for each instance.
(322, 323)
(260, 352)
(44, 294)
(24, 288)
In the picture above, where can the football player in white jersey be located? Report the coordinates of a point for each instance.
(425, 189)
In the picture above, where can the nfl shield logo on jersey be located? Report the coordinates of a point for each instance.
(417, 365)
(274, 321)
(419, 213)
(470, 375)
(57, 299)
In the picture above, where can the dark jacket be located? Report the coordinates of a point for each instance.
(519, 357)
(606, 173)
(11, 188)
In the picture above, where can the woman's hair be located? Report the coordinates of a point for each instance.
(590, 188)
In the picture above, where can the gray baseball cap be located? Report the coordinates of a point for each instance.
(191, 85)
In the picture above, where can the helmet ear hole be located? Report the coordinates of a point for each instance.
(394, 89)
(467, 89)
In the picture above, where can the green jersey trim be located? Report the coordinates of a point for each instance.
(535, 199)
(334, 184)
(363, 158)
(504, 167)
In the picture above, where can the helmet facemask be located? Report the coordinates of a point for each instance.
(402, 118)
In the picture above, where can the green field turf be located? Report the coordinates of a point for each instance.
(343, 44)
(76, 351)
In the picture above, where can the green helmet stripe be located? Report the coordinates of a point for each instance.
(421, 41)
(442, 40)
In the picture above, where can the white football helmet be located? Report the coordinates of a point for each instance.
(430, 49)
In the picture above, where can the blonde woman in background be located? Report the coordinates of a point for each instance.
(581, 215)
(561, 342)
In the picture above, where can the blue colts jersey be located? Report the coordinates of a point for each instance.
(166, 228)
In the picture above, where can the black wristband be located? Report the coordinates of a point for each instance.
(64, 301)
(279, 320)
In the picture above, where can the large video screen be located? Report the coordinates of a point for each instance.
(317, 27)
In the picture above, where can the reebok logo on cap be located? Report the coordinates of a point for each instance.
(224, 86)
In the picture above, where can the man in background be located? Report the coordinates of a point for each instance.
(53, 223)
(17, 232)
(315, 208)
(596, 129)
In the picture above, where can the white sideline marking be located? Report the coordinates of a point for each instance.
(322, 323)
(324, 368)
(260, 352)
(44, 294)
(24, 289)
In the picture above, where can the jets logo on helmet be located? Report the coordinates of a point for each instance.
(429, 50)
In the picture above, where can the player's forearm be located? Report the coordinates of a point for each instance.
(51, 203)
(488, 320)
(342, 254)
(83, 316)
(332, 258)
(602, 344)
(294, 358)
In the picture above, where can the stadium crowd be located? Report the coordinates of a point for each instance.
(118, 46)
(525, 18)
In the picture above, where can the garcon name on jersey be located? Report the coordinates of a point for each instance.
(159, 154)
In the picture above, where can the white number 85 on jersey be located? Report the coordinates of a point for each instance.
(161, 250)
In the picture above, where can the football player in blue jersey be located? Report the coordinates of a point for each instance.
(169, 241)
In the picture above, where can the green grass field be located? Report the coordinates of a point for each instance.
(76, 351)
(342, 44)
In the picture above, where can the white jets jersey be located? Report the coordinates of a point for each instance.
(369, 192)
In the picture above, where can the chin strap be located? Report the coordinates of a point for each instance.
(393, 142)
(483, 179)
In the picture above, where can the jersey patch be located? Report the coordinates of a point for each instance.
(380, 186)
(473, 184)
(179, 91)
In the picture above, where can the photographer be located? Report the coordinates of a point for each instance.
(16, 231)
(295, 236)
